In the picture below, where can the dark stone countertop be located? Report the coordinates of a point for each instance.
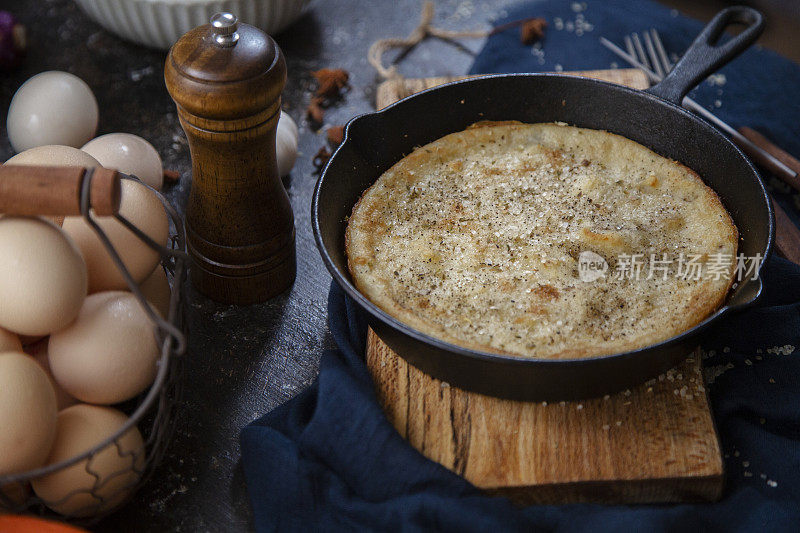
(242, 361)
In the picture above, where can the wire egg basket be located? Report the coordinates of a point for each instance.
(153, 412)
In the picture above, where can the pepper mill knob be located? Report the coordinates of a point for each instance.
(226, 79)
(225, 26)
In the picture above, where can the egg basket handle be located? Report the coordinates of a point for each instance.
(57, 191)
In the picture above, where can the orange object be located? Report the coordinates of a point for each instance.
(29, 524)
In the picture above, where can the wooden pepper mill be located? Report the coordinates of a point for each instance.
(226, 79)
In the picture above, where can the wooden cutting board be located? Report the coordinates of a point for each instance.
(655, 443)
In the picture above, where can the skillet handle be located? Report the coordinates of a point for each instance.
(705, 55)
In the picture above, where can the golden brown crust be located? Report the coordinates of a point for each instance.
(474, 239)
(493, 123)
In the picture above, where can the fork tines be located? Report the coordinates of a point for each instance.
(651, 54)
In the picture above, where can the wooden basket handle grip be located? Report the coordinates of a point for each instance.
(56, 191)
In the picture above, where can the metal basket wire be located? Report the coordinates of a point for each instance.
(153, 412)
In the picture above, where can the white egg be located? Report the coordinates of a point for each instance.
(286, 144)
(43, 277)
(143, 208)
(52, 108)
(27, 413)
(93, 486)
(109, 353)
(129, 154)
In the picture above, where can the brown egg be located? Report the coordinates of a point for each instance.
(117, 467)
(54, 155)
(9, 342)
(27, 340)
(109, 353)
(38, 350)
(42, 276)
(17, 493)
(141, 207)
(157, 291)
(27, 413)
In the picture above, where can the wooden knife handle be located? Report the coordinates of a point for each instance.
(56, 191)
(784, 157)
(787, 235)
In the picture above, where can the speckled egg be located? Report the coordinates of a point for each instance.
(54, 155)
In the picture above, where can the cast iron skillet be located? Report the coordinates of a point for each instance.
(654, 118)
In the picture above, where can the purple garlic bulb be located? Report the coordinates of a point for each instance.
(12, 41)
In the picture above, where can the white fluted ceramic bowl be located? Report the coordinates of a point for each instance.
(159, 23)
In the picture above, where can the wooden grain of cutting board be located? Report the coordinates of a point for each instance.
(655, 443)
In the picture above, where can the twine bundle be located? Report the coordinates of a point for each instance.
(420, 33)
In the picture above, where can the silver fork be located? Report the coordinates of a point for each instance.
(656, 57)
(653, 60)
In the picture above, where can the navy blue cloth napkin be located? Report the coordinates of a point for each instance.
(329, 460)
